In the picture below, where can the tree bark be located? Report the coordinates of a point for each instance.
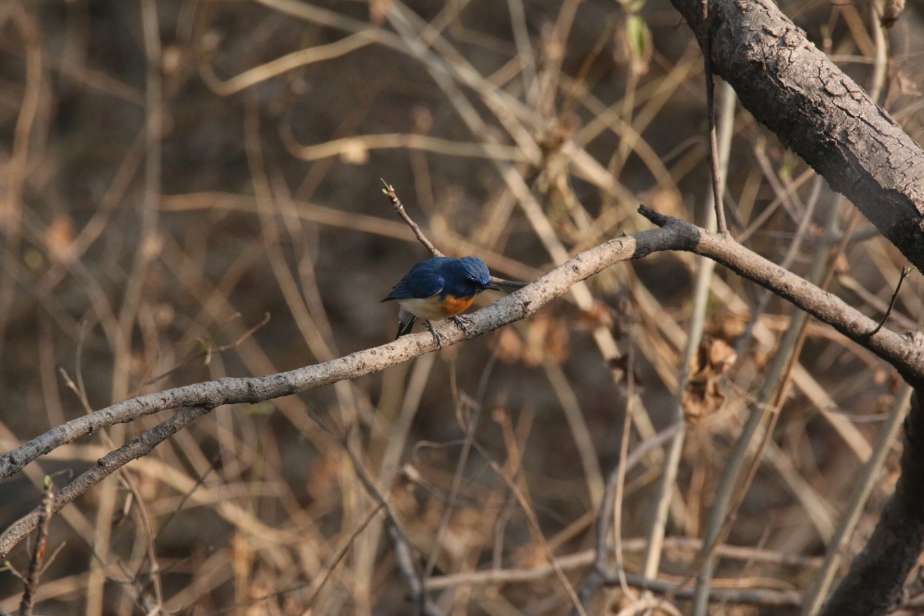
(791, 87)
(826, 118)
(877, 574)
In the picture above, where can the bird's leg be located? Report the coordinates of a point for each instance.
(439, 341)
(463, 322)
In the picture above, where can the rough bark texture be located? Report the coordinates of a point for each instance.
(820, 113)
(874, 583)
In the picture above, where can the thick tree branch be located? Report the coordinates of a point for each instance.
(105, 466)
(905, 353)
(814, 108)
(251, 390)
(877, 574)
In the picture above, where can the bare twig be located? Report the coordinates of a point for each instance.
(704, 273)
(754, 595)
(319, 582)
(536, 531)
(600, 572)
(389, 191)
(36, 564)
(207, 353)
(902, 352)
(589, 557)
(154, 570)
(403, 552)
(470, 424)
(108, 464)
(814, 598)
(898, 287)
(717, 184)
(621, 475)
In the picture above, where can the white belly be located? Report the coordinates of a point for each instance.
(423, 308)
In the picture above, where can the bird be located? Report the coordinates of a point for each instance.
(438, 288)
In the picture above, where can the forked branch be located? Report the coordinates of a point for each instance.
(905, 353)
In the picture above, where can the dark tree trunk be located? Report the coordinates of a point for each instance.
(825, 117)
(814, 108)
(874, 583)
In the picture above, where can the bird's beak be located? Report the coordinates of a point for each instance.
(492, 286)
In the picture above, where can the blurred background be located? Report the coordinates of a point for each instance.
(193, 190)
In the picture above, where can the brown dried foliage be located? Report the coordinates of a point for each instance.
(159, 197)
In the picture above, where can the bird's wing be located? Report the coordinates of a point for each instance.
(417, 284)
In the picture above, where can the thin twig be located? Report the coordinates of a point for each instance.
(38, 555)
(319, 582)
(667, 485)
(600, 573)
(154, 571)
(179, 507)
(535, 529)
(866, 480)
(717, 184)
(621, 475)
(904, 273)
(389, 191)
(759, 596)
(403, 552)
(469, 426)
(207, 353)
(105, 466)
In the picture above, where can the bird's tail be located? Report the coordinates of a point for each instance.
(405, 323)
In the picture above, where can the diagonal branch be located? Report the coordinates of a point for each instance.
(211, 394)
(906, 353)
(873, 585)
(105, 466)
(814, 108)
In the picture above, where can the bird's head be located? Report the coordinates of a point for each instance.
(475, 275)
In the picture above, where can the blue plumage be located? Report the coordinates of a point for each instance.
(439, 287)
(444, 275)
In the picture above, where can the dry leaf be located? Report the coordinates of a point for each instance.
(891, 12)
(728, 325)
(703, 396)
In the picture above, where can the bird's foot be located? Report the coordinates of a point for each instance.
(436, 336)
(463, 322)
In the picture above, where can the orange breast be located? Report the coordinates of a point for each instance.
(453, 305)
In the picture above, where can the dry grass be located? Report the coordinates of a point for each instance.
(162, 194)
